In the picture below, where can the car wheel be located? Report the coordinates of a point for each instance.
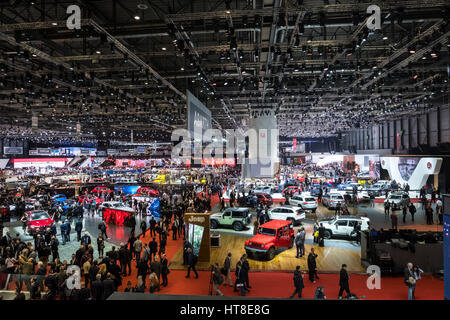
(238, 226)
(214, 224)
(313, 210)
(327, 234)
(271, 253)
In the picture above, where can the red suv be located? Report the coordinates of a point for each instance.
(271, 236)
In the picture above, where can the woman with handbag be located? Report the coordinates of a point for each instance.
(410, 280)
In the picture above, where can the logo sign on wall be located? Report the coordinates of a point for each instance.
(412, 170)
(12, 150)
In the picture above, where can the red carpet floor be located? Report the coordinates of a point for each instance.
(279, 285)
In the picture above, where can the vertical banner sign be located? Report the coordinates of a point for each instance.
(78, 128)
(294, 145)
(398, 140)
(132, 136)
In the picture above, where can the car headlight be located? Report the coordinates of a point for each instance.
(262, 246)
(250, 243)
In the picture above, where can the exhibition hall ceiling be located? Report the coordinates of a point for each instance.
(316, 63)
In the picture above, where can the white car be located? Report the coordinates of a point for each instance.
(343, 226)
(289, 213)
(398, 199)
(262, 189)
(304, 201)
(116, 205)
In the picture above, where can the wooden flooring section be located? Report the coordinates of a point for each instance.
(329, 259)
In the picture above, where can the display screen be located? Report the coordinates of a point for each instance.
(195, 235)
(127, 189)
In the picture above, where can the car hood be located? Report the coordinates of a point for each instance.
(41, 223)
(216, 215)
(261, 239)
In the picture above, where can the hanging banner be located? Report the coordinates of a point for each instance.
(78, 128)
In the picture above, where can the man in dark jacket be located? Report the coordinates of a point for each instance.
(153, 245)
(143, 228)
(240, 280)
(54, 242)
(164, 269)
(321, 235)
(124, 256)
(97, 288)
(155, 266)
(298, 282)
(108, 286)
(312, 266)
(412, 211)
(152, 227)
(86, 240)
(245, 270)
(191, 260)
(79, 228)
(102, 228)
(343, 281)
(187, 245)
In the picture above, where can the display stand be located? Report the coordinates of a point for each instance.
(204, 246)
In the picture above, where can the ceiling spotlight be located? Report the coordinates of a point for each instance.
(98, 52)
(54, 23)
(163, 48)
(136, 17)
(412, 49)
(142, 5)
(182, 69)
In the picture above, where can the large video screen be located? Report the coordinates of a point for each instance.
(195, 235)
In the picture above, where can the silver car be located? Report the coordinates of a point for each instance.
(304, 202)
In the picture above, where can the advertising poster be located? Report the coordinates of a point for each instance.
(195, 235)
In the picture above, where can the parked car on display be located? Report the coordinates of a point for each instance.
(378, 189)
(349, 186)
(89, 199)
(59, 196)
(38, 219)
(306, 202)
(330, 200)
(291, 190)
(289, 213)
(262, 189)
(400, 199)
(238, 218)
(343, 226)
(147, 191)
(100, 190)
(271, 236)
(118, 205)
